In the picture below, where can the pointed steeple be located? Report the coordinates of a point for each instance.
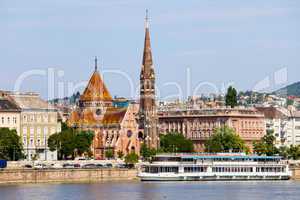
(147, 55)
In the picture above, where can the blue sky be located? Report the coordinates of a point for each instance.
(199, 46)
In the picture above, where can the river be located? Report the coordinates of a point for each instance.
(287, 190)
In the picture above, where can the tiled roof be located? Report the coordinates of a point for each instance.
(31, 102)
(88, 117)
(96, 90)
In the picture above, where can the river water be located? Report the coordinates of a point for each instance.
(287, 190)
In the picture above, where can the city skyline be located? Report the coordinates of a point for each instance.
(217, 43)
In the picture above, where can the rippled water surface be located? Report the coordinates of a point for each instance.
(287, 190)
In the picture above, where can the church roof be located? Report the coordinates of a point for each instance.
(96, 89)
(112, 116)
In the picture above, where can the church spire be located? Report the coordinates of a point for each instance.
(96, 63)
(147, 56)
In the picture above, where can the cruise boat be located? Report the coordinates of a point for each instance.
(219, 166)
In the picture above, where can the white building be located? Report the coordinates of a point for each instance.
(284, 123)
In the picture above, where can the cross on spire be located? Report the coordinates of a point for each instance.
(96, 63)
(147, 19)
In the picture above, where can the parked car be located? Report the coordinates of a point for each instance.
(89, 166)
(40, 166)
(108, 165)
(121, 166)
(76, 165)
(99, 165)
(55, 166)
(27, 166)
(68, 166)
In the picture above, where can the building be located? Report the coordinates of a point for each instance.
(148, 121)
(38, 120)
(293, 135)
(9, 114)
(112, 121)
(283, 123)
(198, 125)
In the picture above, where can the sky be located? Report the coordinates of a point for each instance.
(198, 47)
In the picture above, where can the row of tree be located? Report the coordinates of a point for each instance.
(70, 143)
(11, 147)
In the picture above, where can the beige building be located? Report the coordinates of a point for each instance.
(198, 125)
(9, 114)
(38, 120)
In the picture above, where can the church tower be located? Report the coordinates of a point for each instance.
(148, 120)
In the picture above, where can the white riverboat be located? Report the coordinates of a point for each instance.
(219, 166)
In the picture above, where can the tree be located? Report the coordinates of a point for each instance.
(131, 158)
(109, 154)
(284, 152)
(294, 152)
(175, 142)
(266, 145)
(231, 97)
(225, 139)
(83, 141)
(11, 147)
(120, 154)
(147, 153)
(70, 143)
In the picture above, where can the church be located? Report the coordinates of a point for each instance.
(120, 127)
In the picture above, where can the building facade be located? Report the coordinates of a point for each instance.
(198, 125)
(283, 123)
(9, 114)
(148, 120)
(112, 121)
(38, 120)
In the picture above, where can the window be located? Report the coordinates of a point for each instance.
(2, 119)
(8, 120)
(24, 140)
(45, 132)
(38, 132)
(31, 132)
(25, 131)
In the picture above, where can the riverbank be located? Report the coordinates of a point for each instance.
(21, 176)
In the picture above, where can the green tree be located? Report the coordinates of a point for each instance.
(70, 143)
(109, 154)
(266, 145)
(231, 97)
(147, 153)
(225, 139)
(175, 142)
(11, 147)
(131, 158)
(83, 141)
(284, 152)
(294, 152)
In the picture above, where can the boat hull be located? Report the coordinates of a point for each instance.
(211, 178)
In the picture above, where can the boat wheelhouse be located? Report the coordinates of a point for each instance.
(219, 166)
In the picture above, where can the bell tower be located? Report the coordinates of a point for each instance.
(148, 120)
